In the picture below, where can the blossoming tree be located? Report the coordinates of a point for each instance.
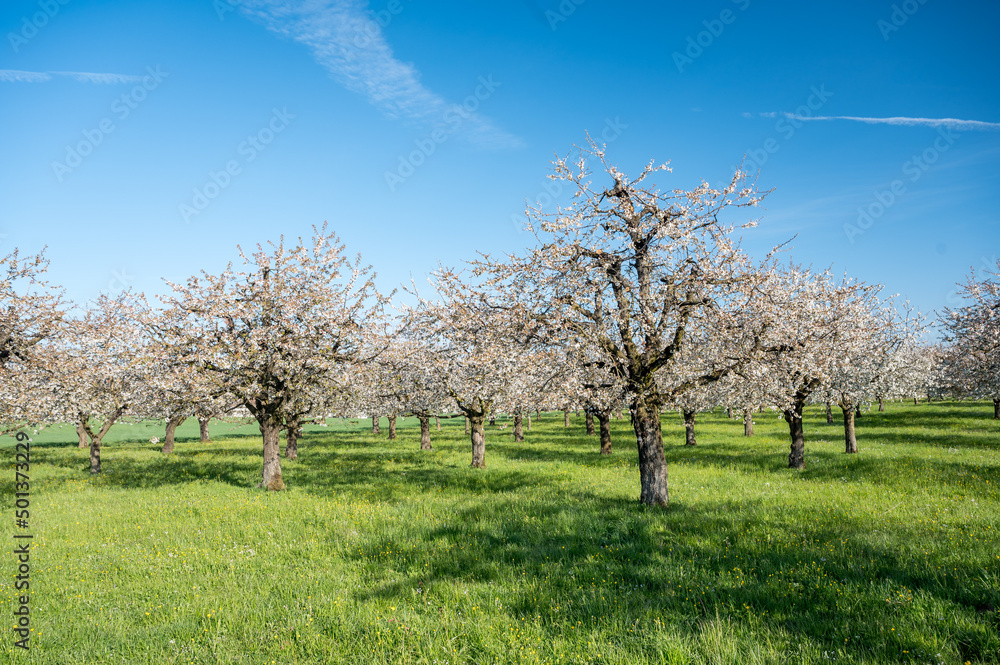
(973, 333)
(629, 268)
(275, 332)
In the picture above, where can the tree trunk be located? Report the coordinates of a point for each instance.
(437, 421)
(425, 432)
(97, 438)
(604, 426)
(81, 431)
(203, 426)
(914, 401)
(95, 453)
(747, 422)
(829, 414)
(493, 421)
(478, 442)
(881, 404)
(466, 424)
(270, 430)
(857, 411)
(729, 412)
(292, 432)
(94, 441)
(689, 438)
(996, 409)
(652, 461)
(566, 417)
(590, 424)
(518, 427)
(850, 440)
(796, 458)
(375, 428)
(168, 437)
(392, 428)
(528, 423)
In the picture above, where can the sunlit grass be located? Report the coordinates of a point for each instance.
(382, 553)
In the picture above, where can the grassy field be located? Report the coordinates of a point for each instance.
(381, 553)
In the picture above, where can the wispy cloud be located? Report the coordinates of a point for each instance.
(345, 41)
(104, 79)
(967, 125)
(17, 76)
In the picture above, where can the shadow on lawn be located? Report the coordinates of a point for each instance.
(613, 562)
(232, 466)
(345, 467)
(324, 472)
(594, 540)
(821, 465)
(337, 460)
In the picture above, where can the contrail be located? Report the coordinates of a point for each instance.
(969, 125)
(18, 76)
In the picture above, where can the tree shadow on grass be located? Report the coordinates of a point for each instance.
(586, 454)
(345, 467)
(979, 480)
(420, 472)
(607, 561)
(965, 439)
(123, 471)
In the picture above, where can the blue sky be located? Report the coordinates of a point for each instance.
(144, 140)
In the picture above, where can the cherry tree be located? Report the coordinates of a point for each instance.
(809, 326)
(32, 313)
(26, 395)
(100, 371)
(973, 334)
(746, 391)
(596, 387)
(532, 388)
(930, 375)
(868, 334)
(628, 267)
(380, 384)
(177, 390)
(408, 384)
(31, 308)
(479, 349)
(692, 402)
(275, 333)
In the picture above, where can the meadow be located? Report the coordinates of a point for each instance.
(379, 552)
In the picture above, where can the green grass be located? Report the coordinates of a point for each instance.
(381, 553)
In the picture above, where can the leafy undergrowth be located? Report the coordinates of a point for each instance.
(381, 553)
